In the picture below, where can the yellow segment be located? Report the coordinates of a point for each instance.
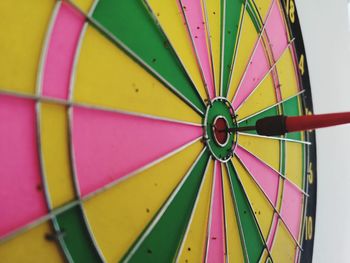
(213, 10)
(246, 44)
(263, 7)
(106, 76)
(283, 248)
(170, 18)
(233, 239)
(263, 97)
(118, 216)
(31, 247)
(196, 235)
(262, 209)
(287, 76)
(84, 5)
(294, 163)
(54, 145)
(23, 26)
(265, 149)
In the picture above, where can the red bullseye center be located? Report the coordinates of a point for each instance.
(220, 130)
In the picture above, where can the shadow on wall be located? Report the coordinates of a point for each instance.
(349, 14)
(326, 31)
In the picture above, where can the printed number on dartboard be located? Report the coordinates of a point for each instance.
(290, 8)
(308, 228)
(302, 64)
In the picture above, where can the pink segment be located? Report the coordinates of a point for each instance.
(61, 51)
(276, 31)
(108, 146)
(194, 17)
(216, 244)
(292, 207)
(21, 190)
(265, 176)
(256, 70)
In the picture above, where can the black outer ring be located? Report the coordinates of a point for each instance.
(311, 189)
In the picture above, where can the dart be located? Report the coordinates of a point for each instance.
(280, 125)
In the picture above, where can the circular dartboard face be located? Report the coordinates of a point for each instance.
(118, 132)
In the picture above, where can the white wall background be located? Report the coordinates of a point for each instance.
(326, 32)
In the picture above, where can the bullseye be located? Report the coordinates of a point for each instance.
(220, 131)
(219, 123)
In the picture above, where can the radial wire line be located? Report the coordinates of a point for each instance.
(254, 216)
(270, 107)
(222, 36)
(210, 46)
(306, 185)
(149, 9)
(57, 211)
(255, 48)
(267, 73)
(224, 215)
(236, 48)
(69, 103)
(271, 204)
(280, 174)
(162, 210)
(274, 138)
(134, 56)
(193, 212)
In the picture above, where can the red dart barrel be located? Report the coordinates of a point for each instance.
(311, 122)
(279, 125)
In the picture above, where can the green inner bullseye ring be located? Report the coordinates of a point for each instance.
(220, 115)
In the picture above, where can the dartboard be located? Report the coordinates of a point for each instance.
(119, 135)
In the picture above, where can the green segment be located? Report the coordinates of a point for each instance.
(164, 239)
(131, 23)
(232, 15)
(251, 235)
(291, 108)
(76, 236)
(283, 157)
